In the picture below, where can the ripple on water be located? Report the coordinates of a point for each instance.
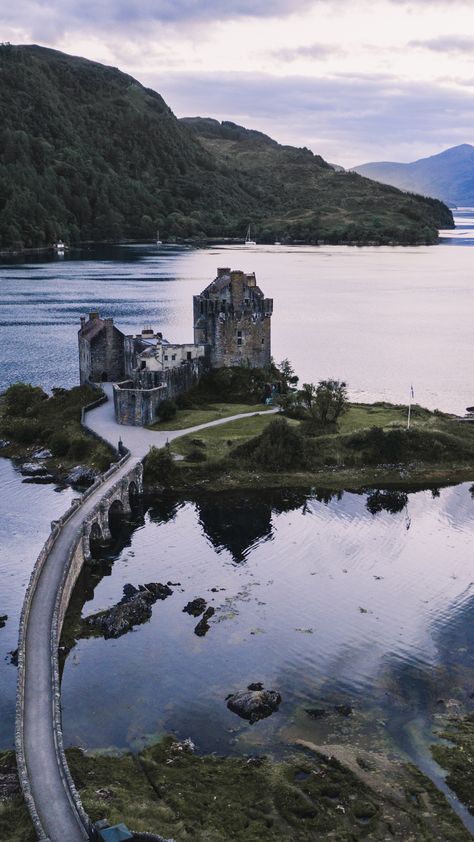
(331, 603)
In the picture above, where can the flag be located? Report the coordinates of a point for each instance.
(412, 392)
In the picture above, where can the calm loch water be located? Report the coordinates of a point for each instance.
(315, 596)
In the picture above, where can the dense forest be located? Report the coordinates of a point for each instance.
(89, 154)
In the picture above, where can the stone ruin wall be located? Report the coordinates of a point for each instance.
(137, 401)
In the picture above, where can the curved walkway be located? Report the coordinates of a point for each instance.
(138, 440)
(45, 787)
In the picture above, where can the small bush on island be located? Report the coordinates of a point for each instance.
(22, 399)
(279, 447)
(166, 410)
(159, 466)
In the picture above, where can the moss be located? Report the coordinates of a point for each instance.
(168, 790)
(15, 823)
(458, 758)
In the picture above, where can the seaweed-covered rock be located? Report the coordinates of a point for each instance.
(3, 620)
(202, 627)
(42, 454)
(254, 704)
(134, 609)
(31, 469)
(81, 476)
(195, 607)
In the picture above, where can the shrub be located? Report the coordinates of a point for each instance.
(25, 431)
(196, 455)
(166, 410)
(279, 447)
(59, 444)
(159, 466)
(21, 398)
(80, 446)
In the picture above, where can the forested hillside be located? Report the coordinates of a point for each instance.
(88, 154)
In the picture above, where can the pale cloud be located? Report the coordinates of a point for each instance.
(317, 52)
(347, 120)
(446, 44)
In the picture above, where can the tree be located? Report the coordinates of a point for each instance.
(330, 400)
(288, 373)
(308, 394)
(23, 398)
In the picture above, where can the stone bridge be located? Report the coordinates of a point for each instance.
(49, 790)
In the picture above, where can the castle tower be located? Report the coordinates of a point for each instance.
(233, 317)
(100, 350)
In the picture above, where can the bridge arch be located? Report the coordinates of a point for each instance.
(96, 538)
(115, 515)
(133, 494)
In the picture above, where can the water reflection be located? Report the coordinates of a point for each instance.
(317, 598)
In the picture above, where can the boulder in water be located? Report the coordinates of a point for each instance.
(254, 704)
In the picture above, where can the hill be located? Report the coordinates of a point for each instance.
(448, 176)
(87, 153)
(306, 198)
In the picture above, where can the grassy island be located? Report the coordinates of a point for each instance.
(369, 446)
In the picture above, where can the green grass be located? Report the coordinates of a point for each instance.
(219, 441)
(186, 418)
(436, 451)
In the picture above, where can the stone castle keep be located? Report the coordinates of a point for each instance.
(231, 328)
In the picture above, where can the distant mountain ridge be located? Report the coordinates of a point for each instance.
(87, 153)
(448, 176)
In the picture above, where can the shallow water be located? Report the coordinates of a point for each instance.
(26, 513)
(320, 600)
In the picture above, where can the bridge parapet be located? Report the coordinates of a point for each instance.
(78, 551)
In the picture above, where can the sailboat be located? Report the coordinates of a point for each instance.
(59, 247)
(248, 239)
(158, 241)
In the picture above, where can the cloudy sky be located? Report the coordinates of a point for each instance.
(354, 80)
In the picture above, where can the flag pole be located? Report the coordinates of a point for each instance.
(412, 395)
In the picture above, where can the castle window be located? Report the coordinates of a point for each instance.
(263, 342)
(239, 333)
(173, 356)
(166, 357)
(189, 355)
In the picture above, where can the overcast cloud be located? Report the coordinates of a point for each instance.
(354, 80)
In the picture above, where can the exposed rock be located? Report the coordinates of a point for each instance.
(343, 710)
(81, 475)
(254, 704)
(195, 607)
(42, 480)
(316, 713)
(13, 657)
(4, 443)
(202, 627)
(30, 469)
(133, 609)
(42, 454)
(256, 686)
(3, 620)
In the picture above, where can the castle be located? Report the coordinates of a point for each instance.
(231, 328)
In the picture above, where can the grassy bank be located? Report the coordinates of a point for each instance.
(186, 418)
(30, 420)
(169, 790)
(370, 446)
(457, 757)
